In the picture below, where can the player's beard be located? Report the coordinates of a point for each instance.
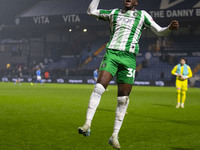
(129, 5)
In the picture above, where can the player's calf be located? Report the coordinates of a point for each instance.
(93, 104)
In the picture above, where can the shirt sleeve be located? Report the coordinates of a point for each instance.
(105, 15)
(189, 72)
(173, 72)
(98, 13)
(149, 22)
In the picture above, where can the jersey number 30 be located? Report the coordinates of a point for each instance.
(131, 73)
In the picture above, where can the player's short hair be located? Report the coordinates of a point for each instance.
(184, 59)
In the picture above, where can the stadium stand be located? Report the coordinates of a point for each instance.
(154, 69)
(75, 42)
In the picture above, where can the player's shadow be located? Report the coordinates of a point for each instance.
(162, 105)
(178, 148)
(186, 122)
(106, 109)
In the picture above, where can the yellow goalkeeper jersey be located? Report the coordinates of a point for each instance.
(182, 67)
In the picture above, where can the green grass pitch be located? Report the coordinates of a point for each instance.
(47, 118)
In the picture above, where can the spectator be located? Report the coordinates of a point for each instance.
(46, 75)
(162, 75)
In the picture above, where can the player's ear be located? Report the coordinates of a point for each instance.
(136, 2)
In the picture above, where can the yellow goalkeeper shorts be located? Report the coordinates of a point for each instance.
(183, 85)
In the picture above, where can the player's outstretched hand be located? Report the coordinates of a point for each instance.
(174, 25)
(182, 78)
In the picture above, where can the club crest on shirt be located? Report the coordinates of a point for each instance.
(135, 14)
(103, 65)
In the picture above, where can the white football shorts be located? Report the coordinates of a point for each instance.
(39, 78)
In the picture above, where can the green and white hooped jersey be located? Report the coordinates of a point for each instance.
(126, 28)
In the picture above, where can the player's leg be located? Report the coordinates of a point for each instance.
(41, 82)
(122, 105)
(178, 93)
(15, 81)
(183, 93)
(19, 81)
(37, 79)
(178, 96)
(95, 81)
(125, 80)
(102, 83)
(108, 70)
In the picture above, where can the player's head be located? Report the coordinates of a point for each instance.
(39, 69)
(183, 61)
(130, 4)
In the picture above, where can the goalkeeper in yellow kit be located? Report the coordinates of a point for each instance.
(182, 72)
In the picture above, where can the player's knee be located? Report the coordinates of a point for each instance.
(183, 92)
(123, 101)
(99, 89)
(178, 91)
(96, 95)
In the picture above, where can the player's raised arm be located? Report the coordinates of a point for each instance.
(92, 9)
(160, 31)
(98, 13)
